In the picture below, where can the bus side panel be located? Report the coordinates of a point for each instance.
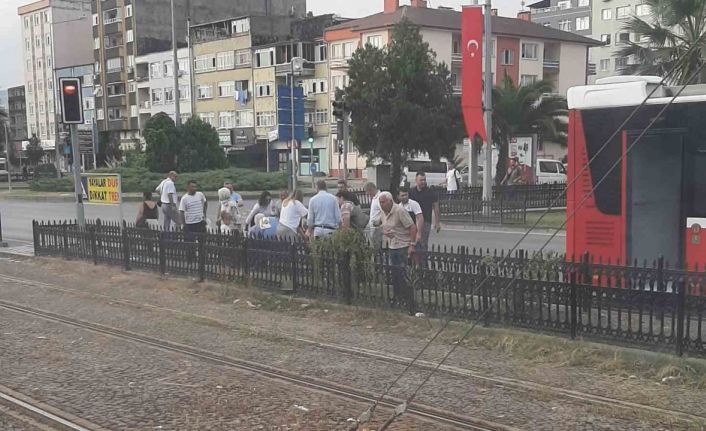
(589, 230)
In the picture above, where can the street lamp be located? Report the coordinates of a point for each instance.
(297, 67)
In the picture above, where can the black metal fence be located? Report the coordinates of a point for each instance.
(647, 304)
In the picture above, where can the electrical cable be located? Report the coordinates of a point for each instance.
(519, 271)
(366, 416)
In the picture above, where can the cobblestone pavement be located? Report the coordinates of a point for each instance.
(124, 386)
(523, 409)
(10, 423)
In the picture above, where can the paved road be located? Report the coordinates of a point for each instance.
(17, 219)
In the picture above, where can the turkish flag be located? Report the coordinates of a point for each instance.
(472, 76)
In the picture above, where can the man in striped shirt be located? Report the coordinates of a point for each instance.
(192, 208)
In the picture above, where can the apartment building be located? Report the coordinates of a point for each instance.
(154, 76)
(609, 19)
(53, 38)
(566, 15)
(17, 113)
(523, 50)
(4, 96)
(239, 65)
(126, 29)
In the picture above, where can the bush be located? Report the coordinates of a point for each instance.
(136, 180)
(47, 170)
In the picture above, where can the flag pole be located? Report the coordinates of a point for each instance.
(488, 79)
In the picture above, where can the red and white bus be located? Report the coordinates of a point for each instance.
(654, 202)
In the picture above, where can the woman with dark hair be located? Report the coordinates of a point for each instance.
(263, 206)
(148, 210)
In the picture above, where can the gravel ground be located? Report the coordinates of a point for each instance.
(528, 410)
(9, 423)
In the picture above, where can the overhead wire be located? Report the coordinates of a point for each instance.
(518, 272)
(367, 415)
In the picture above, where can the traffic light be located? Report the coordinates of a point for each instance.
(311, 134)
(71, 101)
(339, 108)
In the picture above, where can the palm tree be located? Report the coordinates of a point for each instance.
(672, 36)
(526, 109)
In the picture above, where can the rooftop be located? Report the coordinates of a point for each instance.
(451, 20)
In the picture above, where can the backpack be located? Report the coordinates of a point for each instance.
(359, 219)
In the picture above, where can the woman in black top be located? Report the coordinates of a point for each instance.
(148, 210)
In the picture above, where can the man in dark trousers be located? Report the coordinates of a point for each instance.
(428, 200)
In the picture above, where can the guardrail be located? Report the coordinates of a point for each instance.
(644, 304)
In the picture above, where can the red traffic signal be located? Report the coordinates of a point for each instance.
(71, 101)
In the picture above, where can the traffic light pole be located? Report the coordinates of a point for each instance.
(7, 159)
(293, 155)
(175, 72)
(76, 165)
(346, 134)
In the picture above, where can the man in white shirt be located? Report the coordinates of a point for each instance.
(374, 231)
(192, 208)
(453, 178)
(168, 201)
(415, 212)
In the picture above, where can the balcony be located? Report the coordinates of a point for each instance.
(116, 101)
(591, 69)
(286, 69)
(552, 65)
(145, 105)
(338, 63)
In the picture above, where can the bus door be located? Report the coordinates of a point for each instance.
(654, 186)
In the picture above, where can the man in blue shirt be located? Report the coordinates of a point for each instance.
(235, 197)
(324, 213)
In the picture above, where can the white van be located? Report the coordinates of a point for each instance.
(549, 171)
(435, 172)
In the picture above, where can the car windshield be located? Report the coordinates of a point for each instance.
(549, 167)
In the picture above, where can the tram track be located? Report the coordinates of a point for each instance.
(510, 383)
(39, 416)
(420, 411)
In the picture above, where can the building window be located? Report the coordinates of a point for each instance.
(28, 44)
(642, 10)
(264, 89)
(620, 62)
(95, 19)
(37, 41)
(128, 11)
(115, 114)
(375, 41)
(340, 81)
(309, 118)
(244, 119)
(96, 43)
(583, 23)
(225, 60)
(132, 87)
(507, 57)
(565, 25)
(265, 119)
(226, 89)
(528, 79)
(622, 37)
(157, 96)
(321, 116)
(40, 63)
(321, 51)
(264, 58)
(529, 51)
(99, 114)
(36, 19)
(133, 111)
(605, 64)
(41, 107)
(241, 26)
(129, 36)
(226, 120)
(605, 38)
(114, 64)
(584, 3)
(208, 117)
(566, 4)
(169, 95)
(622, 12)
(31, 108)
(184, 92)
(336, 51)
(89, 103)
(204, 92)
(168, 68)
(131, 60)
(26, 22)
(48, 40)
(348, 50)
(606, 14)
(183, 66)
(204, 63)
(111, 16)
(155, 70)
(243, 58)
(50, 86)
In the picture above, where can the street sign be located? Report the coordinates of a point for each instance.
(85, 141)
(284, 112)
(102, 189)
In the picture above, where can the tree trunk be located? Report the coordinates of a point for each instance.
(395, 173)
(501, 167)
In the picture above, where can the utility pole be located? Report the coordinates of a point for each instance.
(76, 165)
(297, 65)
(488, 80)
(192, 79)
(175, 72)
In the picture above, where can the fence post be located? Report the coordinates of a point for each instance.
(681, 299)
(293, 256)
(660, 274)
(65, 233)
(126, 248)
(484, 295)
(35, 236)
(202, 256)
(246, 258)
(162, 254)
(573, 299)
(346, 274)
(94, 244)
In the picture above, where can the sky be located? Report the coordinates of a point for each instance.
(10, 37)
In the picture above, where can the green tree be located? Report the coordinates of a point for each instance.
(402, 102)
(5, 123)
(163, 144)
(525, 110)
(201, 148)
(673, 35)
(34, 150)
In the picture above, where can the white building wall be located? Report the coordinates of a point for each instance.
(161, 82)
(532, 67)
(572, 67)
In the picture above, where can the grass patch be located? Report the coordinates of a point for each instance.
(552, 220)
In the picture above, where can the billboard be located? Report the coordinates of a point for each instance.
(102, 189)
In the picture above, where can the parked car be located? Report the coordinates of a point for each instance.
(435, 172)
(549, 171)
(465, 175)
